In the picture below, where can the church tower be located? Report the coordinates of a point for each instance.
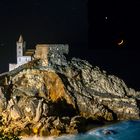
(23, 55)
(21, 44)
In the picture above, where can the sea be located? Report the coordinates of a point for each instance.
(126, 130)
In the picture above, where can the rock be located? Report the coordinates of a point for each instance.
(58, 96)
(36, 128)
(55, 132)
(15, 113)
(26, 132)
(3, 102)
(66, 120)
(44, 132)
(45, 109)
(58, 124)
(30, 108)
(72, 130)
(38, 111)
(108, 132)
(78, 123)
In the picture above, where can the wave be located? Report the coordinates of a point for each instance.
(123, 130)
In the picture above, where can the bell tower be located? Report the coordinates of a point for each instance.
(21, 44)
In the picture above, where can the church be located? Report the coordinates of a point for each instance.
(41, 52)
(23, 56)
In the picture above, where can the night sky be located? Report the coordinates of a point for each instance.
(106, 33)
(112, 22)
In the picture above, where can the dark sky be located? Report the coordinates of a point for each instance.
(122, 23)
(41, 21)
(93, 28)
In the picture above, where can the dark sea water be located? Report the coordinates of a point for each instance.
(127, 130)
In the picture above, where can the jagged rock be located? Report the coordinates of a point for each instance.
(77, 124)
(63, 97)
(3, 102)
(15, 112)
(44, 131)
(109, 132)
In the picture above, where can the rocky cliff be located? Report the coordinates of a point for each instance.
(62, 97)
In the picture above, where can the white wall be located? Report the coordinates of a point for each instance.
(12, 66)
(23, 59)
(20, 60)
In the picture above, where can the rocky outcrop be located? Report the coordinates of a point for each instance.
(63, 97)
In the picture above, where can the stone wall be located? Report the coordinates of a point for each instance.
(41, 51)
(51, 52)
(59, 48)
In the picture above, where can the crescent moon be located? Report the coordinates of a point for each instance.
(120, 43)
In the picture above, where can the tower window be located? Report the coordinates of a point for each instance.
(19, 52)
(19, 47)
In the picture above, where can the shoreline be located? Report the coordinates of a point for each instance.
(94, 128)
(87, 129)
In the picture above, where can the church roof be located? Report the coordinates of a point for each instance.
(29, 52)
(20, 39)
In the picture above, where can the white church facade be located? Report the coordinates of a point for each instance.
(23, 56)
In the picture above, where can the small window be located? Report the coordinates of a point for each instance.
(19, 52)
(19, 47)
